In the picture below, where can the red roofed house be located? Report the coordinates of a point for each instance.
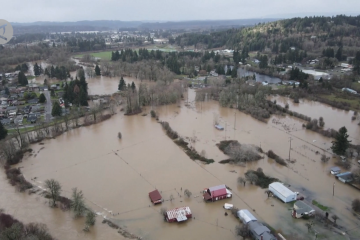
(155, 197)
(178, 214)
(216, 193)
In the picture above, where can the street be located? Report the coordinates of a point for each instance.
(48, 106)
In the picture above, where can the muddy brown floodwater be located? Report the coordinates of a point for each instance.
(333, 117)
(117, 175)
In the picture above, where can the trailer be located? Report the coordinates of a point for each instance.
(245, 216)
(282, 192)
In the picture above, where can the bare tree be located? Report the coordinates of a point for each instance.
(78, 203)
(268, 192)
(90, 218)
(187, 193)
(54, 188)
(241, 181)
(334, 217)
(171, 197)
(242, 231)
(251, 177)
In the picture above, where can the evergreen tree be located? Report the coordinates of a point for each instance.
(339, 54)
(122, 84)
(97, 70)
(133, 87)
(47, 72)
(56, 109)
(36, 70)
(234, 72)
(24, 67)
(52, 72)
(22, 79)
(83, 97)
(3, 131)
(341, 142)
(42, 98)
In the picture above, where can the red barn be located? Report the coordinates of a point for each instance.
(178, 214)
(216, 193)
(155, 197)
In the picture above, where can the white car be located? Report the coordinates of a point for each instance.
(228, 206)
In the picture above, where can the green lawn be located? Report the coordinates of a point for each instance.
(354, 103)
(322, 207)
(103, 55)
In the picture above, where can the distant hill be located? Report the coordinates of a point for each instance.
(206, 23)
(103, 25)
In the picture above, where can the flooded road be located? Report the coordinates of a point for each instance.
(116, 175)
(333, 117)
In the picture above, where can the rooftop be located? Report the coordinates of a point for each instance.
(179, 213)
(282, 189)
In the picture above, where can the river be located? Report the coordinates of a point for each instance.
(259, 77)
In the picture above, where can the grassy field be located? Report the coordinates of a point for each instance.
(103, 55)
(322, 207)
(354, 103)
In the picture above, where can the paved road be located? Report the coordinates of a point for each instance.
(48, 106)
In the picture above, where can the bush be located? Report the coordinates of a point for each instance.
(356, 205)
(153, 114)
(259, 178)
(277, 159)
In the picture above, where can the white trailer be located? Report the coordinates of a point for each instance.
(282, 192)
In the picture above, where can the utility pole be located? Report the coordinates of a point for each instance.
(235, 121)
(290, 148)
(333, 188)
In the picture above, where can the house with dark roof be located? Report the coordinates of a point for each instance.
(301, 209)
(33, 101)
(260, 232)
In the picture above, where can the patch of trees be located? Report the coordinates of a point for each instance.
(239, 153)
(61, 73)
(258, 178)
(290, 56)
(76, 91)
(297, 74)
(23, 67)
(78, 44)
(22, 79)
(13, 229)
(38, 69)
(3, 131)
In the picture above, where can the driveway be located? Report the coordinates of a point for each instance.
(48, 106)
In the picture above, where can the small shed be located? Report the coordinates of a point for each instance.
(302, 209)
(245, 216)
(155, 197)
(345, 177)
(178, 214)
(335, 170)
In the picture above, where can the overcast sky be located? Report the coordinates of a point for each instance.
(169, 10)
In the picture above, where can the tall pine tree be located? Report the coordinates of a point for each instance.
(97, 70)
(122, 84)
(3, 131)
(341, 142)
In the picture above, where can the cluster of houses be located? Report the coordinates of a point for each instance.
(182, 214)
(15, 106)
(345, 177)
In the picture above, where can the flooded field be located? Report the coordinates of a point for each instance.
(334, 118)
(116, 175)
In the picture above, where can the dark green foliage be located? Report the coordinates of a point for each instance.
(22, 79)
(37, 69)
(56, 109)
(133, 87)
(76, 92)
(262, 180)
(97, 70)
(3, 131)
(356, 205)
(42, 98)
(341, 142)
(297, 74)
(122, 84)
